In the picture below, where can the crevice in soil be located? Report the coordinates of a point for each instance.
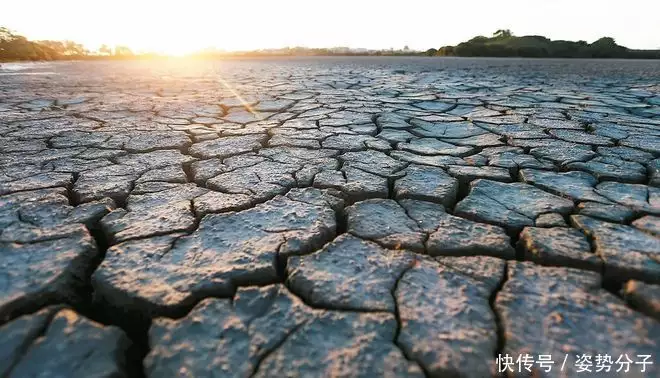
(134, 325)
(275, 348)
(501, 338)
(609, 283)
(397, 315)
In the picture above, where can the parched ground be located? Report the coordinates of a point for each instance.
(330, 218)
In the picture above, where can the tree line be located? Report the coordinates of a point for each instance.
(504, 44)
(15, 47)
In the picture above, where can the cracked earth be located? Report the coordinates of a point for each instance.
(327, 217)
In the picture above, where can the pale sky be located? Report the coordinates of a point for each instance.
(185, 26)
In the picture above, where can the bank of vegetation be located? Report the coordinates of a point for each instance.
(15, 47)
(504, 44)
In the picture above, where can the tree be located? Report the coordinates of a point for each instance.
(606, 47)
(446, 51)
(17, 47)
(6, 34)
(502, 33)
(74, 49)
(105, 50)
(123, 51)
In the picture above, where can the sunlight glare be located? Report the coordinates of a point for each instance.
(180, 27)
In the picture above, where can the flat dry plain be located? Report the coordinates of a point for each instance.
(330, 217)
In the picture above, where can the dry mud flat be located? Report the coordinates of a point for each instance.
(330, 217)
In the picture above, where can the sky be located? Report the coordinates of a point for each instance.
(179, 27)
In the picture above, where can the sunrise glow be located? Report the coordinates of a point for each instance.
(179, 27)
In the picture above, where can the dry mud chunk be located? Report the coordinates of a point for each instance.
(224, 336)
(164, 275)
(116, 181)
(392, 121)
(523, 130)
(550, 220)
(643, 297)
(435, 106)
(341, 344)
(446, 130)
(351, 142)
(626, 153)
(647, 142)
(215, 202)
(245, 117)
(435, 161)
(153, 214)
(581, 137)
(39, 181)
(290, 141)
(636, 196)
(227, 146)
(173, 173)
(43, 266)
(563, 155)
(260, 181)
(467, 174)
(374, 162)
(318, 197)
(558, 246)
(514, 205)
(649, 224)
(272, 105)
(17, 335)
(611, 168)
(386, 223)
(149, 141)
(578, 186)
(608, 212)
(485, 140)
(626, 251)
(428, 184)
(395, 136)
(412, 224)
(203, 170)
(564, 311)
(354, 184)
(501, 120)
(94, 186)
(653, 169)
(62, 343)
(431, 146)
(121, 225)
(317, 158)
(49, 208)
(349, 274)
(453, 236)
(515, 160)
(153, 160)
(447, 324)
(460, 237)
